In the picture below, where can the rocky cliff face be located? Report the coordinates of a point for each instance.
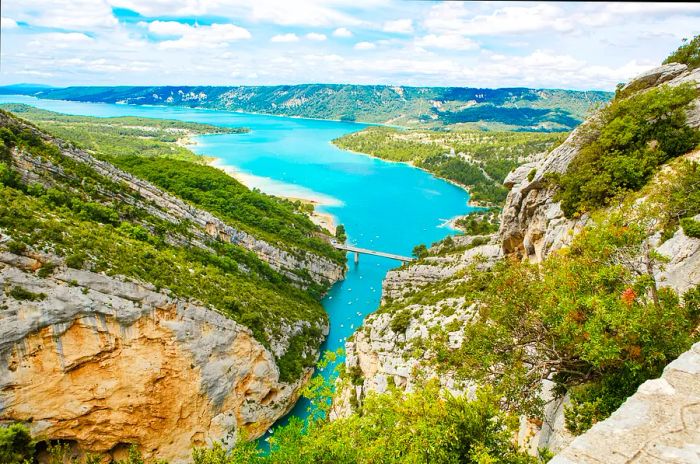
(104, 362)
(658, 424)
(532, 226)
(532, 223)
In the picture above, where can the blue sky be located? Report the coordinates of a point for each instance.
(261, 42)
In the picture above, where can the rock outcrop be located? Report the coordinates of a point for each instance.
(105, 362)
(532, 222)
(658, 424)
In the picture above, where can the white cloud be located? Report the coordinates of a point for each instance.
(399, 26)
(316, 36)
(285, 38)
(456, 18)
(62, 14)
(49, 40)
(446, 41)
(364, 46)
(192, 37)
(8, 23)
(342, 32)
(169, 28)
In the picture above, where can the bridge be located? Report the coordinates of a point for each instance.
(357, 251)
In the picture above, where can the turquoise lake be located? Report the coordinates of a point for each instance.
(384, 206)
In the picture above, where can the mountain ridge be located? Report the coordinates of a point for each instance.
(511, 108)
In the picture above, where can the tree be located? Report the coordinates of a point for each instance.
(340, 234)
(420, 251)
(16, 444)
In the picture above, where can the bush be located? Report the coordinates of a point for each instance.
(691, 227)
(531, 175)
(688, 54)
(22, 294)
(426, 426)
(400, 322)
(16, 444)
(420, 251)
(626, 145)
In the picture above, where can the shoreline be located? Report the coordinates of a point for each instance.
(470, 203)
(324, 220)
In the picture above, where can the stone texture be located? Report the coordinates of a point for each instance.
(658, 424)
(105, 362)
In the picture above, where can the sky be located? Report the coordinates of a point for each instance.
(266, 42)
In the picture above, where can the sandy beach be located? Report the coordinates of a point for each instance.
(287, 191)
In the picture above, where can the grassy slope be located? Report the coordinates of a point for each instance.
(79, 219)
(146, 148)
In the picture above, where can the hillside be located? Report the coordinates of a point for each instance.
(477, 160)
(434, 107)
(107, 276)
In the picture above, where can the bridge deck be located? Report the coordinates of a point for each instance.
(354, 249)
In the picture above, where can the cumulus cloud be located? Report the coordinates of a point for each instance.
(169, 28)
(192, 37)
(456, 18)
(8, 23)
(316, 36)
(285, 38)
(342, 32)
(364, 46)
(399, 26)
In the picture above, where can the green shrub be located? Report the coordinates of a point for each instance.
(531, 175)
(46, 269)
(16, 247)
(688, 53)
(76, 260)
(420, 251)
(626, 145)
(400, 322)
(16, 444)
(426, 426)
(691, 227)
(22, 294)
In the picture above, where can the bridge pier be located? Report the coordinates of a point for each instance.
(357, 257)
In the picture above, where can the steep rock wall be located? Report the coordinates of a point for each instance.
(106, 362)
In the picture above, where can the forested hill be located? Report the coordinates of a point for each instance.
(506, 109)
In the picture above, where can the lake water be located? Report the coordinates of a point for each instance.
(384, 206)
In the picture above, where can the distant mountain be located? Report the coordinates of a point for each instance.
(434, 107)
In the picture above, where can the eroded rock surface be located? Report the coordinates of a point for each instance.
(106, 362)
(658, 424)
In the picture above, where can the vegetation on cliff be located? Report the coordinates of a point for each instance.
(145, 147)
(503, 109)
(95, 223)
(479, 161)
(625, 145)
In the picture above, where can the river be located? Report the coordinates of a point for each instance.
(384, 206)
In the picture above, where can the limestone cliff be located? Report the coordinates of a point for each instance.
(532, 226)
(104, 362)
(658, 424)
(532, 222)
